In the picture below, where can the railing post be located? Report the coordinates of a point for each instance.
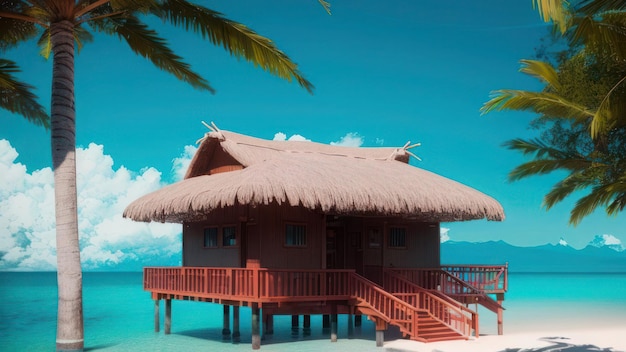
(256, 283)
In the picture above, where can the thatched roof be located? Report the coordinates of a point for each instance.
(331, 179)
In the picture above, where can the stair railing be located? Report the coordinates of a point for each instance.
(450, 312)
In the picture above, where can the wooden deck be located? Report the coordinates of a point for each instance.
(426, 304)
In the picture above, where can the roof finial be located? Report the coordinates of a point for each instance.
(213, 129)
(408, 146)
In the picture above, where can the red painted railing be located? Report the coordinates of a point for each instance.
(450, 312)
(459, 280)
(488, 278)
(271, 285)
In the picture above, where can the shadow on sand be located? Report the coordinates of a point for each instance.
(558, 345)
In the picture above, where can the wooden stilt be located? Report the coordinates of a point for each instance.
(350, 324)
(500, 320)
(255, 327)
(226, 324)
(268, 325)
(236, 333)
(357, 320)
(333, 325)
(306, 325)
(168, 316)
(295, 325)
(325, 323)
(380, 338)
(156, 315)
(381, 326)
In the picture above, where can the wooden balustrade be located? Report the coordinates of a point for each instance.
(455, 315)
(386, 305)
(270, 285)
(488, 278)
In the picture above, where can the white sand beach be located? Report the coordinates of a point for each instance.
(549, 340)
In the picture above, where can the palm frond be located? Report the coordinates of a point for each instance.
(605, 35)
(326, 6)
(553, 10)
(147, 43)
(564, 188)
(236, 38)
(45, 44)
(605, 116)
(542, 71)
(603, 195)
(592, 7)
(548, 104)
(618, 204)
(14, 31)
(544, 166)
(17, 97)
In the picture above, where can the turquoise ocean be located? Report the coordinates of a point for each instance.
(119, 314)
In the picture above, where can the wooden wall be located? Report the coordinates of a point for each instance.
(194, 252)
(274, 252)
(260, 236)
(357, 243)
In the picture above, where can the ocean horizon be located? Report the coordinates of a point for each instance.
(119, 315)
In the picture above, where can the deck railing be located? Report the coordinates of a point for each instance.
(488, 278)
(459, 280)
(257, 284)
(271, 285)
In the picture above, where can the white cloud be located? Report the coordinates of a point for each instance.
(181, 164)
(349, 140)
(443, 234)
(279, 136)
(27, 223)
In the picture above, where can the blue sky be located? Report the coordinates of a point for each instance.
(385, 73)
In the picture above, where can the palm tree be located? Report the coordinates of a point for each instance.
(60, 24)
(566, 108)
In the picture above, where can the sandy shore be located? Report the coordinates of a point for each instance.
(576, 340)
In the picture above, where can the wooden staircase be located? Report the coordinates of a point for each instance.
(419, 314)
(431, 329)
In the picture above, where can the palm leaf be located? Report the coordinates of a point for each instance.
(542, 71)
(147, 43)
(553, 10)
(325, 5)
(18, 98)
(561, 190)
(611, 195)
(234, 37)
(14, 31)
(606, 35)
(592, 7)
(548, 104)
(609, 114)
(545, 166)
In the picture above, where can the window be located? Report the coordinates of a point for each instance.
(397, 237)
(229, 236)
(295, 235)
(374, 236)
(210, 237)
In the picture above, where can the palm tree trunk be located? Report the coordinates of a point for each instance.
(70, 334)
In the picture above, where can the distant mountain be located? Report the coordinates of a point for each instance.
(609, 241)
(596, 257)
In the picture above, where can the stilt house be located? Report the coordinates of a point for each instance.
(301, 228)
